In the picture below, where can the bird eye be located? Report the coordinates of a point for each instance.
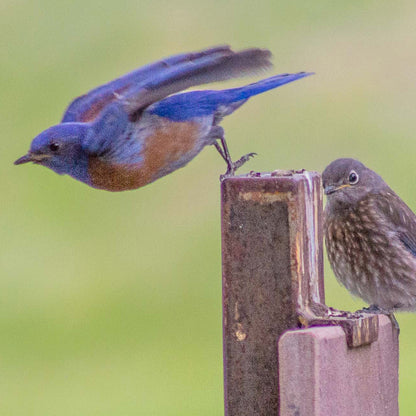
(54, 146)
(353, 177)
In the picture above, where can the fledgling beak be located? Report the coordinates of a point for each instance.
(30, 157)
(327, 191)
(330, 189)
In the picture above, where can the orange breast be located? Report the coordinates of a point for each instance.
(171, 146)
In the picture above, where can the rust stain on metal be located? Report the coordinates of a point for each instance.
(240, 334)
(360, 329)
(262, 197)
(282, 172)
(300, 270)
(236, 313)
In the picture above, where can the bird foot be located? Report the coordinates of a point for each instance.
(233, 166)
(372, 309)
(243, 159)
(379, 311)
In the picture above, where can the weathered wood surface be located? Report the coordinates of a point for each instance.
(321, 376)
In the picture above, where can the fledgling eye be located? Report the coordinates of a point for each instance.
(54, 146)
(353, 177)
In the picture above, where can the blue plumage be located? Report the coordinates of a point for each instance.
(182, 107)
(134, 80)
(139, 127)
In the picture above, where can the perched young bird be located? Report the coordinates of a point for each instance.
(132, 131)
(370, 237)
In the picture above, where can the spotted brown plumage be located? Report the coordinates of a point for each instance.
(370, 236)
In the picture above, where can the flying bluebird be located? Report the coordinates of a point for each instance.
(370, 236)
(131, 131)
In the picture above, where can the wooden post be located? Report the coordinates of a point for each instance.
(272, 282)
(321, 376)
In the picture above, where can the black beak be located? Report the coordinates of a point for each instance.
(330, 189)
(24, 159)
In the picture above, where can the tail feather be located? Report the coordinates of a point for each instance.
(243, 93)
(236, 97)
(185, 106)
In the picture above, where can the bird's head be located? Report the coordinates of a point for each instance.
(347, 181)
(59, 148)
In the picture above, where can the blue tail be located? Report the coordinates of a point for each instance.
(185, 106)
(243, 93)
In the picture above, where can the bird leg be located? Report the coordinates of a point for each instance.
(218, 133)
(220, 151)
(375, 309)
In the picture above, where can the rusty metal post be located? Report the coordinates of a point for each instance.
(272, 274)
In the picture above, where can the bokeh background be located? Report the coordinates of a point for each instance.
(110, 304)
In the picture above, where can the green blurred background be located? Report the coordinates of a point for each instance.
(110, 304)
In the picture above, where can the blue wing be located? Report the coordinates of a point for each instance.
(87, 106)
(153, 82)
(182, 107)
